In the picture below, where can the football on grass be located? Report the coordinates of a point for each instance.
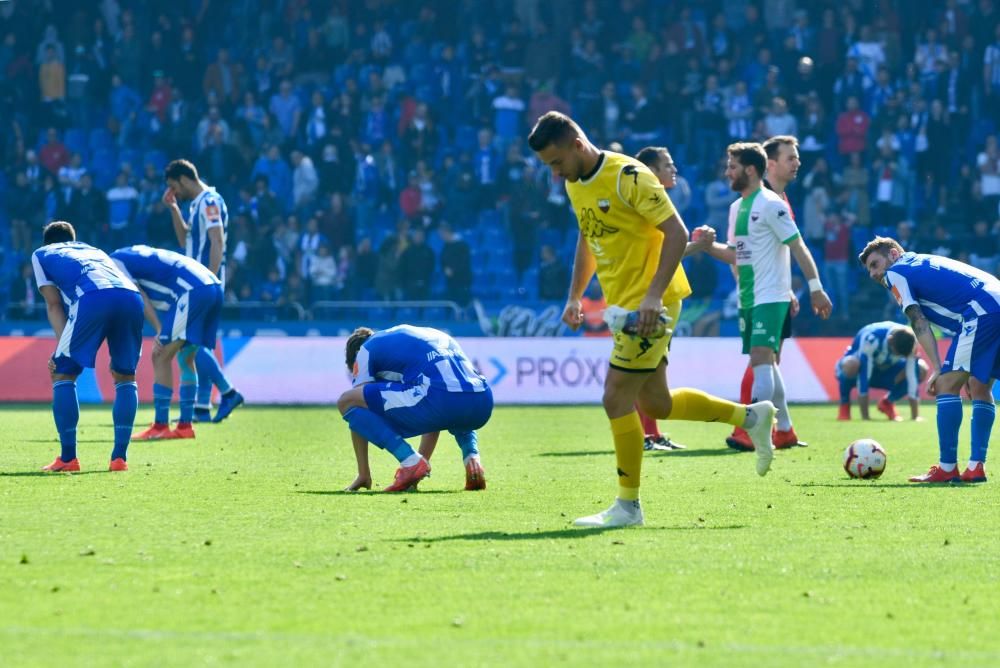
(864, 458)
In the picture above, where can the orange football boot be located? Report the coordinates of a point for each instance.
(409, 476)
(889, 408)
(783, 440)
(844, 412)
(118, 465)
(740, 440)
(183, 430)
(59, 466)
(936, 475)
(156, 432)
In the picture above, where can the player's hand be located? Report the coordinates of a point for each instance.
(573, 314)
(703, 237)
(932, 383)
(822, 306)
(52, 365)
(169, 198)
(794, 307)
(359, 482)
(649, 313)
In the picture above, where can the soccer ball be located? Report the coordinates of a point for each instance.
(864, 458)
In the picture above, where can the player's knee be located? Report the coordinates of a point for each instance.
(849, 368)
(350, 399)
(122, 377)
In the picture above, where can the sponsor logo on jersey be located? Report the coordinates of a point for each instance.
(212, 212)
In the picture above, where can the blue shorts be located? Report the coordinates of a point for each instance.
(114, 314)
(976, 349)
(412, 410)
(885, 378)
(194, 317)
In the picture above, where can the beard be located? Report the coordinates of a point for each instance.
(739, 183)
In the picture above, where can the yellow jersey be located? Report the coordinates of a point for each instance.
(618, 209)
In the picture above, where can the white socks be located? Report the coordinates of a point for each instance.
(763, 382)
(780, 402)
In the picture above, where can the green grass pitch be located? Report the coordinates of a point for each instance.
(238, 549)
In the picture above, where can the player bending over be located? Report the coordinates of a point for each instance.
(88, 300)
(189, 299)
(633, 238)
(413, 381)
(964, 302)
(203, 238)
(881, 356)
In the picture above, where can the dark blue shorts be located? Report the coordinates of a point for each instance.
(113, 314)
(885, 377)
(194, 317)
(412, 410)
(976, 349)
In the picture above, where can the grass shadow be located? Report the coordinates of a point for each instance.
(44, 474)
(56, 440)
(701, 452)
(580, 532)
(872, 484)
(344, 492)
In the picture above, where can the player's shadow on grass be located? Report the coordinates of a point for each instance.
(872, 485)
(344, 492)
(56, 440)
(44, 474)
(710, 452)
(557, 533)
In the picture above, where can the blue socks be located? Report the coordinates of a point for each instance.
(468, 442)
(66, 412)
(123, 414)
(187, 393)
(846, 385)
(983, 414)
(377, 431)
(209, 373)
(161, 403)
(949, 420)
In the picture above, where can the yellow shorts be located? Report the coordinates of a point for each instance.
(636, 354)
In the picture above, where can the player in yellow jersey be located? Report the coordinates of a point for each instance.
(633, 238)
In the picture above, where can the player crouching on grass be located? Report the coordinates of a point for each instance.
(882, 356)
(413, 381)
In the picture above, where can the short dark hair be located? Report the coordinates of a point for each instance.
(880, 245)
(553, 127)
(902, 341)
(58, 232)
(354, 343)
(749, 154)
(774, 144)
(649, 155)
(178, 168)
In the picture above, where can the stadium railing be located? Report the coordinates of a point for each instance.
(431, 309)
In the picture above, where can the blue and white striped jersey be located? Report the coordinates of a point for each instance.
(77, 268)
(207, 210)
(871, 347)
(950, 293)
(415, 355)
(164, 275)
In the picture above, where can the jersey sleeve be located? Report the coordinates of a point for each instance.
(362, 371)
(900, 289)
(643, 192)
(40, 277)
(211, 212)
(734, 209)
(779, 218)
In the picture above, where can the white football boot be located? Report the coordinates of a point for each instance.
(760, 434)
(620, 514)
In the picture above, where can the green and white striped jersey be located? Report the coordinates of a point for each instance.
(760, 228)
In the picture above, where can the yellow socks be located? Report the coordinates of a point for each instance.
(627, 433)
(696, 406)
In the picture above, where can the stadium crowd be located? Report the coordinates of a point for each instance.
(375, 150)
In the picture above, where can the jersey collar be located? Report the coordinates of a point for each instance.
(589, 176)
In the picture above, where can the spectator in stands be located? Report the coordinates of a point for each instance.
(456, 265)
(308, 247)
(69, 175)
(988, 163)
(24, 206)
(279, 176)
(123, 201)
(779, 121)
(322, 274)
(388, 282)
(852, 128)
(361, 283)
(88, 208)
(52, 83)
(222, 79)
(305, 180)
(54, 154)
(718, 197)
(220, 162)
(553, 275)
(416, 266)
(287, 109)
(891, 176)
(819, 190)
(983, 247)
(836, 260)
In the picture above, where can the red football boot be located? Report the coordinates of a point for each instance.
(783, 440)
(59, 466)
(409, 476)
(118, 465)
(156, 432)
(740, 440)
(937, 475)
(977, 474)
(844, 412)
(889, 408)
(183, 430)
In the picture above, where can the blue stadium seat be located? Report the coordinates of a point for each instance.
(157, 158)
(76, 141)
(100, 138)
(104, 167)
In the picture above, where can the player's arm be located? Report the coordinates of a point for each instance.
(913, 385)
(584, 266)
(864, 377)
(151, 315)
(181, 228)
(216, 250)
(675, 239)
(364, 478)
(922, 330)
(820, 300)
(54, 308)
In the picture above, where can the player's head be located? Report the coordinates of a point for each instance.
(879, 255)
(58, 232)
(782, 158)
(658, 159)
(745, 165)
(901, 341)
(559, 143)
(354, 343)
(182, 178)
